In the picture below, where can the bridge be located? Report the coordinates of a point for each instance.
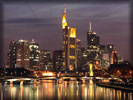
(47, 75)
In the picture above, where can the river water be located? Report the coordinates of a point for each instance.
(72, 90)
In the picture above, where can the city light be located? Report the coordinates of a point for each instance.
(73, 32)
(72, 72)
(47, 74)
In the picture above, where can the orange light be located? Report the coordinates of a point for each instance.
(72, 46)
(35, 66)
(71, 67)
(47, 74)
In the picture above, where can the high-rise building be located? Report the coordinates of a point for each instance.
(94, 53)
(65, 31)
(22, 53)
(105, 56)
(78, 54)
(46, 62)
(83, 58)
(72, 50)
(34, 55)
(110, 48)
(18, 55)
(12, 55)
(42, 58)
(58, 60)
(69, 45)
(114, 57)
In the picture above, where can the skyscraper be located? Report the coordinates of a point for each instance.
(78, 53)
(12, 55)
(18, 55)
(46, 62)
(114, 57)
(58, 60)
(93, 48)
(69, 45)
(72, 50)
(83, 58)
(22, 53)
(34, 55)
(110, 48)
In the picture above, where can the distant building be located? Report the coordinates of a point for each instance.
(22, 53)
(18, 54)
(46, 62)
(105, 56)
(12, 55)
(110, 48)
(42, 58)
(83, 59)
(122, 70)
(34, 54)
(114, 57)
(58, 60)
(78, 54)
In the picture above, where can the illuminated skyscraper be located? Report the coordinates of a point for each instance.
(110, 48)
(114, 57)
(22, 54)
(12, 55)
(93, 49)
(18, 55)
(72, 50)
(69, 45)
(34, 54)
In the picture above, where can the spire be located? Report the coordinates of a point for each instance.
(32, 41)
(90, 26)
(64, 10)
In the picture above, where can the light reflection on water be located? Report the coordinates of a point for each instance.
(65, 91)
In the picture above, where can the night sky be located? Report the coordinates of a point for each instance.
(42, 21)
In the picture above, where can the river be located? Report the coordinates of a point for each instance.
(48, 90)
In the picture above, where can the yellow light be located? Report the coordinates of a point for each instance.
(91, 69)
(21, 83)
(73, 32)
(64, 23)
(72, 57)
(72, 46)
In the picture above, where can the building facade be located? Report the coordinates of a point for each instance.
(58, 60)
(78, 54)
(12, 55)
(94, 54)
(18, 55)
(34, 55)
(46, 62)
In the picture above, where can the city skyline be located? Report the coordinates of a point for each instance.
(68, 51)
(41, 25)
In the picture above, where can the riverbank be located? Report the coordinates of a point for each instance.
(107, 85)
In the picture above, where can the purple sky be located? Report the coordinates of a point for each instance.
(43, 23)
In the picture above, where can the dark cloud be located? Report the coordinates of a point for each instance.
(28, 21)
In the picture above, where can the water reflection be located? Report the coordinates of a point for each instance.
(49, 90)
